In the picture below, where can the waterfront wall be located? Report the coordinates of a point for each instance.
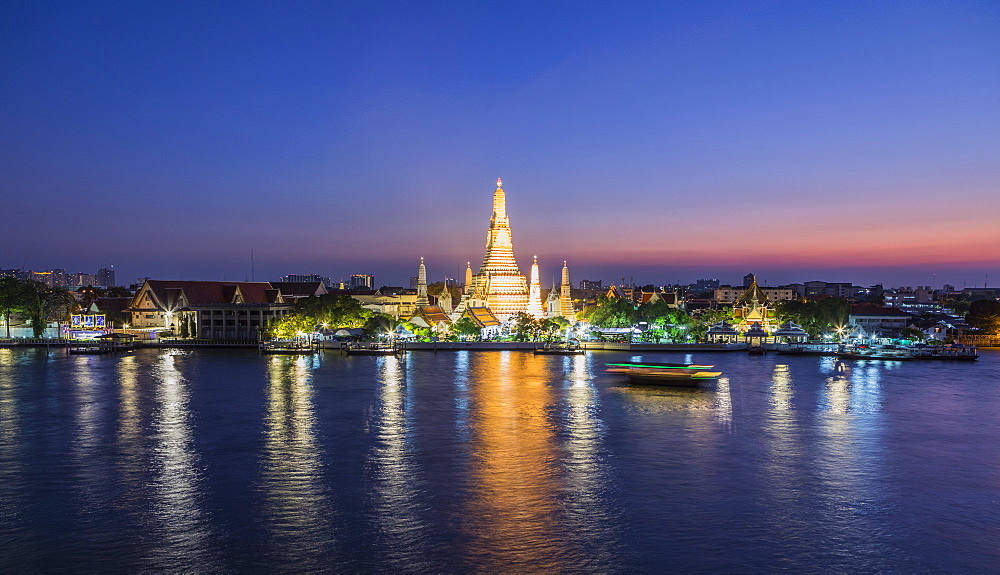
(532, 345)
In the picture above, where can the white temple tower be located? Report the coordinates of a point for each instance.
(422, 299)
(535, 308)
(566, 297)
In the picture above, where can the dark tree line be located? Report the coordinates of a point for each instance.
(35, 301)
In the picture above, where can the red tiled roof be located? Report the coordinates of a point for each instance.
(211, 293)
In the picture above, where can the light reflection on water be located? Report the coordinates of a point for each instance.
(493, 461)
(180, 528)
(398, 510)
(291, 481)
(588, 513)
(11, 511)
(514, 479)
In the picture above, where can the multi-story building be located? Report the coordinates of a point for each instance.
(307, 278)
(106, 277)
(705, 285)
(818, 288)
(596, 285)
(729, 294)
(51, 278)
(362, 281)
(912, 300)
(877, 320)
(81, 279)
(235, 311)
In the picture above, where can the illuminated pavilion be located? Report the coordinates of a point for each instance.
(754, 307)
(499, 284)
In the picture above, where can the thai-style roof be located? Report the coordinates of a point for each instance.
(755, 331)
(434, 315)
(722, 328)
(174, 295)
(483, 317)
(753, 295)
(790, 329)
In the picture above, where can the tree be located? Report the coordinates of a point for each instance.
(12, 298)
(610, 312)
(525, 327)
(42, 304)
(815, 316)
(466, 326)
(290, 325)
(334, 310)
(551, 328)
(379, 324)
(699, 325)
(985, 315)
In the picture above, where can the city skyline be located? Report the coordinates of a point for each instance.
(667, 143)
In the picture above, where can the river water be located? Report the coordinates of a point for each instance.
(229, 461)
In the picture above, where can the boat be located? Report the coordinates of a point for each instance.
(286, 347)
(756, 350)
(822, 349)
(675, 374)
(884, 353)
(106, 343)
(371, 348)
(955, 352)
(560, 348)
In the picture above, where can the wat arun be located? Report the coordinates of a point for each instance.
(499, 284)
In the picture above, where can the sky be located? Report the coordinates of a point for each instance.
(659, 142)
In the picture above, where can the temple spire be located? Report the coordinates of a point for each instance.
(422, 299)
(499, 283)
(566, 296)
(535, 308)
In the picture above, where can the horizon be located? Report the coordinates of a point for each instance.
(666, 143)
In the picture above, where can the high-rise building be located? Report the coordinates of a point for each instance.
(499, 285)
(592, 284)
(362, 281)
(106, 277)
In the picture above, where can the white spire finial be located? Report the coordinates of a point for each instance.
(499, 183)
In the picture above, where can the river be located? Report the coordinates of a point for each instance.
(229, 461)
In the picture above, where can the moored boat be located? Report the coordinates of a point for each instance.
(560, 348)
(885, 353)
(365, 348)
(955, 352)
(286, 347)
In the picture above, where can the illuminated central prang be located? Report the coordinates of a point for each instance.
(499, 285)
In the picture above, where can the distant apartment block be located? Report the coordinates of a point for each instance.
(705, 285)
(818, 288)
(106, 277)
(362, 281)
(907, 297)
(307, 278)
(728, 294)
(592, 284)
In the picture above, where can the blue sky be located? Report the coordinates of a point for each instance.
(847, 141)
